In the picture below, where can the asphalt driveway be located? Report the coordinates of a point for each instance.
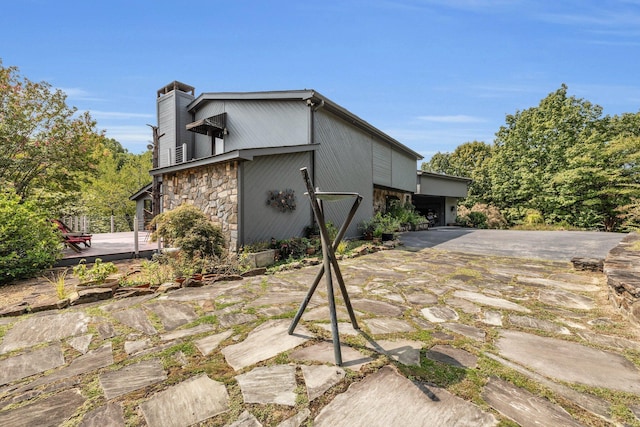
(549, 245)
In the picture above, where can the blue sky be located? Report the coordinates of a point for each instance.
(433, 74)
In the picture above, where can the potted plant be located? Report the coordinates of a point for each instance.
(367, 228)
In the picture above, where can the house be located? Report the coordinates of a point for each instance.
(237, 156)
(144, 200)
(437, 196)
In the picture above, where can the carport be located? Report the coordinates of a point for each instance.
(437, 195)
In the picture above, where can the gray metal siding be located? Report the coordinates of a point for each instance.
(166, 126)
(260, 123)
(261, 222)
(435, 186)
(403, 171)
(382, 163)
(172, 120)
(343, 163)
(183, 136)
(203, 146)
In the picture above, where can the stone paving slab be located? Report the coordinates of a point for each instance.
(344, 328)
(203, 293)
(182, 333)
(44, 328)
(270, 384)
(490, 301)
(539, 324)
(110, 415)
(133, 347)
(123, 303)
(81, 343)
(322, 313)
(466, 330)
(464, 305)
(297, 419)
(30, 363)
(387, 325)
(593, 404)
(323, 353)
(566, 299)
(404, 351)
(246, 419)
(559, 284)
(231, 319)
(264, 342)
(379, 308)
(135, 318)
(49, 412)
(132, 377)
(368, 403)
(493, 318)
(209, 343)
(439, 314)
(569, 361)
(91, 361)
(452, 356)
(320, 378)
(523, 407)
(173, 314)
(192, 401)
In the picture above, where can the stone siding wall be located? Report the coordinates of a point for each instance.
(214, 189)
(622, 268)
(380, 198)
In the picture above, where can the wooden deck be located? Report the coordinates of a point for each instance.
(111, 247)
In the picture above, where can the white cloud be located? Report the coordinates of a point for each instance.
(79, 94)
(118, 115)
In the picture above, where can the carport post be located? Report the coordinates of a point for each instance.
(135, 236)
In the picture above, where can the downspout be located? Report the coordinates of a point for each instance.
(313, 107)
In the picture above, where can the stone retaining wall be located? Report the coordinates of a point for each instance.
(380, 198)
(622, 268)
(213, 189)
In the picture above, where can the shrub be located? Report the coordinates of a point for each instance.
(481, 216)
(405, 213)
(533, 217)
(98, 273)
(188, 228)
(29, 243)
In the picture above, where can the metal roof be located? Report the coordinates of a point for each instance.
(312, 98)
(242, 154)
(444, 176)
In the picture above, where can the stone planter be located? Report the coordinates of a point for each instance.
(262, 259)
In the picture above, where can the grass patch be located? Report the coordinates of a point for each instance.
(208, 319)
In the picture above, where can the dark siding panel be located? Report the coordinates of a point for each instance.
(344, 163)
(261, 222)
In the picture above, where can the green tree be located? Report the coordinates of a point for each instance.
(533, 147)
(28, 241)
(439, 163)
(467, 160)
(119, 174)
(44, 144)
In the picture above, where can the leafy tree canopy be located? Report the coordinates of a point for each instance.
(44, 143)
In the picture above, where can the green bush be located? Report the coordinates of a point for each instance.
(478, 219)
(29, 243)
(481, 216)
(98, 273)
(405, 213)
(188, 228)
